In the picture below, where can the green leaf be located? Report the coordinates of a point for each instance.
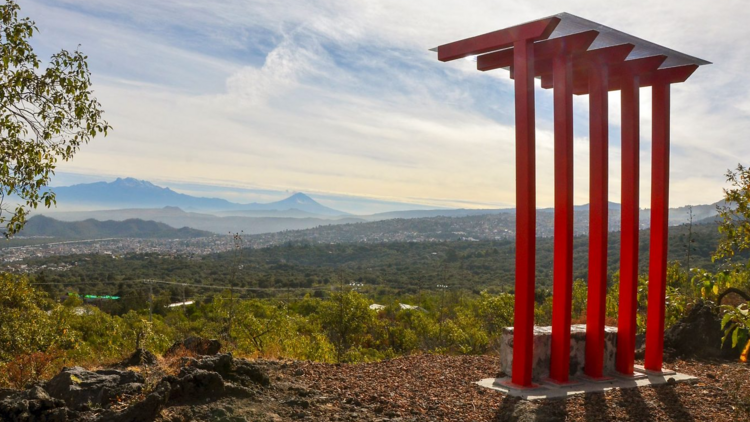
(727, 317)
(48, 114)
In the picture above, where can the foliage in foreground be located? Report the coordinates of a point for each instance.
(38, 335)
(46, 115)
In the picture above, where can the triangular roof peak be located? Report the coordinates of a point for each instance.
(571, 24)
(561, 25)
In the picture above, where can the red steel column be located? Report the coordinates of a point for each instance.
(523, 333)
(628, 306)
(657, 275)
(598, 219)
(563, 261)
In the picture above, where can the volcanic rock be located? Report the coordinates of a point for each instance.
(196, 345)
(33, 404)
(235, 370)
(140, 357)
(698, 335)
(81, 389)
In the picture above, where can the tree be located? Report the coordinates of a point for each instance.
(345, 318)
(735, 226)
(735, 214)
(45, 115)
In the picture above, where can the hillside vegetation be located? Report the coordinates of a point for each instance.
(391, 267)
(93, 229)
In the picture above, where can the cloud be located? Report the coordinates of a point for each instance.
(343, 98)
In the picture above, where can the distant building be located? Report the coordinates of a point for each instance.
(175, 305)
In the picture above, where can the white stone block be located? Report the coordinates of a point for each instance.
(542, 346)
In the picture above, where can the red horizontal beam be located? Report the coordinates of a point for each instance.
(671, 75)
(607, 55)
(638, 67)
(543, 50)
(583, 61)
(497, 40)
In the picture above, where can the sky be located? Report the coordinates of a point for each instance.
(252, 100)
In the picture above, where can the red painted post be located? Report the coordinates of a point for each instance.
(562, 75)
(628, 306)
(523, 333)
(598, 219)
(657, 274)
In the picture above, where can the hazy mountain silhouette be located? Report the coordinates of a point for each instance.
(176, 217)
(133, 193)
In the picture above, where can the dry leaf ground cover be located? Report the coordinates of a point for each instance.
(424, 387)
(441, 388)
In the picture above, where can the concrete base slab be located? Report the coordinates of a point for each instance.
(557, 384)
(634, 376)
(508, 384)
(550, 392)
(601, 379)
(663, 372)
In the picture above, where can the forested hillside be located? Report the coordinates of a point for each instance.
(382, 268)
(92, 229)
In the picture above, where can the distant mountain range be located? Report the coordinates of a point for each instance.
(129, 198)
(40, 225)
(133, 193)
(176, 217)
(435, 229)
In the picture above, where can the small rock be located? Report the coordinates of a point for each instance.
(273, 417)
(298, 403)
(196, 345)
(140, 357)
(353, 401)
(218, 412)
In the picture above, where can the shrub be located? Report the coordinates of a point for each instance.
(29, 321)
(28, 368)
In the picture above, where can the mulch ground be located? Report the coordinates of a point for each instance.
(441, 388)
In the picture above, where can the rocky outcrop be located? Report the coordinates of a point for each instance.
(239, 371)
(76, 394)
(144, 410)
(698, 335)
(81, 389)
(34, 404)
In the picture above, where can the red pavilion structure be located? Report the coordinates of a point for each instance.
(575, 56)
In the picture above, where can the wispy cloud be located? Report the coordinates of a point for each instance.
(343, 98)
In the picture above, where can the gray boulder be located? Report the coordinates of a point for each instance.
(195, 383)
(239, 371)
(698, 335)
(33, 404)
(81, 389)
(145, 410)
